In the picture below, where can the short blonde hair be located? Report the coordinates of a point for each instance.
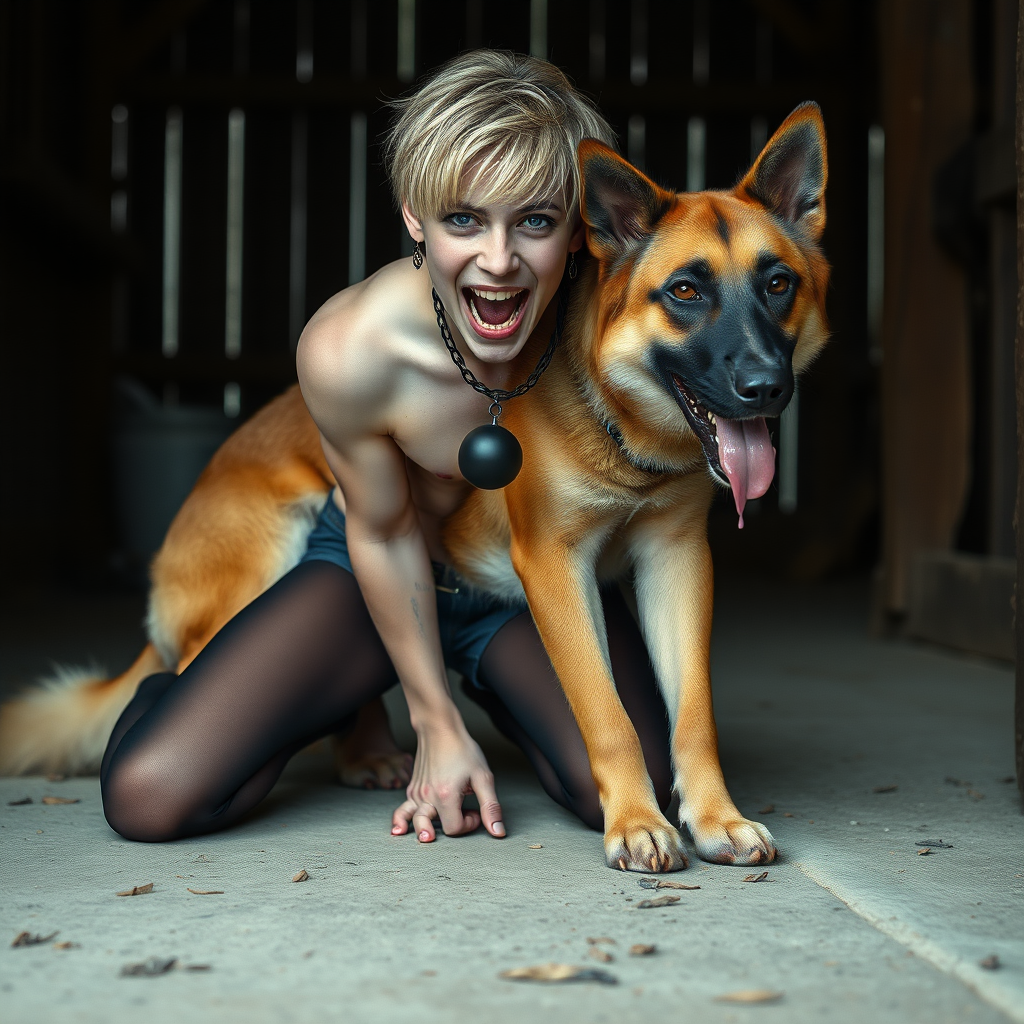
(511, 120)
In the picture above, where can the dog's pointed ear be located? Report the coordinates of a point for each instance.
(790, 175)
(619, 205)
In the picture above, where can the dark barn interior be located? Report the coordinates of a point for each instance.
(184, 182)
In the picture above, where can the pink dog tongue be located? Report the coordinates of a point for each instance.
(747, 457)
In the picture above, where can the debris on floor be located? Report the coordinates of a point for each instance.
(301, 876)
(990, 963)
(642, 949)
(27, 939)
(137, 890)
(750, 995)
(149, 968)
(885, 789)
(559, 972)
(935, 844)
(52, 800)
(600, 955)
(19, 803)
(206, 892)
(659, 901)
(757, 878)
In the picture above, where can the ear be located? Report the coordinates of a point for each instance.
(412, 223)
(619, 205)
(789, 176)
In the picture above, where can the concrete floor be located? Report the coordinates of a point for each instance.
(852, 925)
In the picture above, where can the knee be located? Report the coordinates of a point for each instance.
(141, 803)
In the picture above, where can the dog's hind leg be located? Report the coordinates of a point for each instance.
(674, 584)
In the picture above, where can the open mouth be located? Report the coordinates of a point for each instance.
(496, 313)
(739, 452)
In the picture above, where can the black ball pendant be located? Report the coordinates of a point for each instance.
(490, 457)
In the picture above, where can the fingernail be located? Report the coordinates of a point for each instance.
(498, 828)
(424, 836)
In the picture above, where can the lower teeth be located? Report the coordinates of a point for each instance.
(493, 327)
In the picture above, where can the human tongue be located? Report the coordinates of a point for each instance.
(495, 311)
(747, 457)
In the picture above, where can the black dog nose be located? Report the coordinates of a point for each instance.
(765, 391)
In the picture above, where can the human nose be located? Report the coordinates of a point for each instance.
(497, 255)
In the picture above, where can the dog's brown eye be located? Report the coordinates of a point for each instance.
(685, 291)
(779, 284)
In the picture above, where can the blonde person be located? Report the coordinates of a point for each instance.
(482, 162)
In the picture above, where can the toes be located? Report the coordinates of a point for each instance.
(741, 842)
(653, 848)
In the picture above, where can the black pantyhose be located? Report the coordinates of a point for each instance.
(191, 754)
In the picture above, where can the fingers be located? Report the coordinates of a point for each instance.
(490, 809)
(417, 814)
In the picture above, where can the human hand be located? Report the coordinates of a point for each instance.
(449, 765)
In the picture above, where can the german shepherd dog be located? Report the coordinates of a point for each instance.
(683, 334)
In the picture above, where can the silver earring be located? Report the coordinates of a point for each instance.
(573, 269)
(417, 256)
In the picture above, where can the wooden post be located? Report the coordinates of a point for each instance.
(1019, 518)
(927, 106)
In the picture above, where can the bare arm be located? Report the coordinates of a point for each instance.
(348, 389)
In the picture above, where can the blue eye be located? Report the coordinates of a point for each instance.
(461, 220)
(536, 221)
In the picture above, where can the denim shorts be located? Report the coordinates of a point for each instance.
(467, 617)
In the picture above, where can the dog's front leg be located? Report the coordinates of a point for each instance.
(562, 591)
(674, 589)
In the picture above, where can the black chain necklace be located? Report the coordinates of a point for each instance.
(490, 456)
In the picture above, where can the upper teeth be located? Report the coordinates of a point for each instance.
(495, 296)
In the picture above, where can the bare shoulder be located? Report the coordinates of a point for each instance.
(352, 351)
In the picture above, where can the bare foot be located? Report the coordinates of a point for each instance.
(367, 756)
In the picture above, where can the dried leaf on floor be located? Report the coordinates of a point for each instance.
(924, 851)
(600, 955)
(647, 883)
(642, 949)
(137, 890)
(767, 809)
(149, 968)
(664, 883)
(786, 814)
(756, 878)
(536, 846)
(206, 892)
(885, 789)
(559, 972)
(198, 967)
(935, 844)
(990, 963)
(301, 876)
(51, 800)
(659, 901)
(593, 941)
(28, 939)
(750, 995)
(67, 945)
(19, 803)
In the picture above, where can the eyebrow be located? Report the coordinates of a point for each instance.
(540, 206)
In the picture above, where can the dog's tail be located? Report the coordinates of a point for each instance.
(62, 725)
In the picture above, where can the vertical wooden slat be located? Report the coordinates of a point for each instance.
(1019, 516)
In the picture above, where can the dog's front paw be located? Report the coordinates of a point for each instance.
(644, 843)
(730, 840)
